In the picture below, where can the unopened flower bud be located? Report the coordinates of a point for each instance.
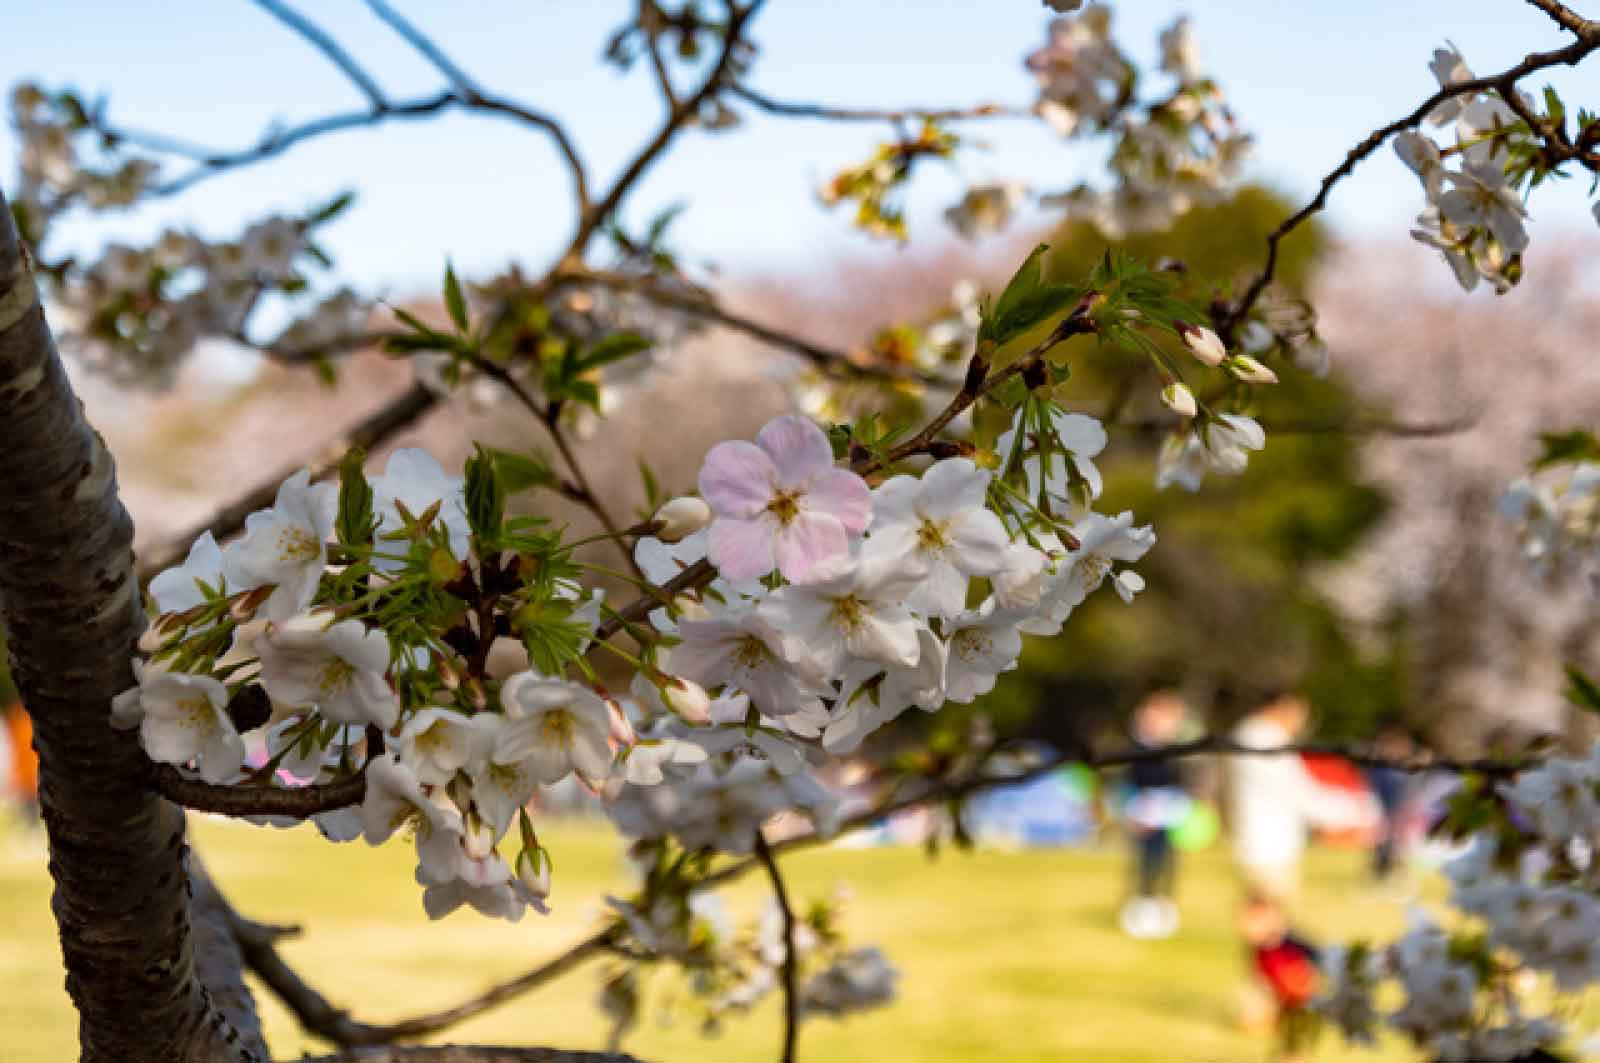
(687, 699)
(621, 729)
(243, 608)
(681, 518)
(1204, 344)
(1251, 371)
(1179, 399)
(533, 870)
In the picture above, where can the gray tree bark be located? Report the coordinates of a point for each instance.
(69, 603)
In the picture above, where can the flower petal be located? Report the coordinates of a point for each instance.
(743, 549)
(737, 479)
(806, 544)
(797, 447)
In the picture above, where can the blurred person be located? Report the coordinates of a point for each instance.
(1155, 803)
(1286, 964)
(19, 775)
(1272, 804)
(1391, 786)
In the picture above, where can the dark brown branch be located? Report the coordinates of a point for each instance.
(299, 802)
(680, 115)
(318, 1016)
(466, 1054)
(328, 47)
(69, 605)
(652, 43)
(791, 988)
(980, 382)
(786, 109)
(1503, 83)
(393, 417)
(1568, 19)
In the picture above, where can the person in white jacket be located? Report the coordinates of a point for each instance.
(1273, 801)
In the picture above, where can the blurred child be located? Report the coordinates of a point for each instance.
(1287, 966)
(1156, 802)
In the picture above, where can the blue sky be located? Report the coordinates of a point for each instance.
(1310, 79)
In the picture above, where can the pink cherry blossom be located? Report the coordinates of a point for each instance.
(781, 502)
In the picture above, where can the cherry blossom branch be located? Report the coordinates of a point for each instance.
(787, 109)
(791, 990)
(1504, 83)
(325, 44)
(389, 419)
(979, 382)
(298, 802)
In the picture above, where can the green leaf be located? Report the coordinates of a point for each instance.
(1576, 445)
(332, 209)
(1581, 690)
(613, 348)
(519, 472)
(652, 488)
(454, 301)
(1026, 301)
(355, 522)
(486, 496)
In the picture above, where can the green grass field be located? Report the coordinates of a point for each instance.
(1005, 956)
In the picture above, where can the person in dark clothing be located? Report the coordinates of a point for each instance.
(1156, 801)
(1389, 786)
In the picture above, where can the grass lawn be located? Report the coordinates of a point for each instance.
(1004, 956)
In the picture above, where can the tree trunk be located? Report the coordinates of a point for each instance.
(70, 607)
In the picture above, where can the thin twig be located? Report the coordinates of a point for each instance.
(680, 115)
(457, 77)
(791, 988)
(325, 44)
(1504, 83)
(787, 109)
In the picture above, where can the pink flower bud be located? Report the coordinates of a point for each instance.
(1204, 344)
(687, 699)
(621, 729)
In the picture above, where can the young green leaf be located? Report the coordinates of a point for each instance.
(354, 524)
(486, 496)
(454, 301)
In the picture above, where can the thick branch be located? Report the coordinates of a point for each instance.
(786, 109)
(1568, 19)
(70, 609)
(1503, 83)
(393, 417)
(466, 1054)
(791, 990)
(298, 802)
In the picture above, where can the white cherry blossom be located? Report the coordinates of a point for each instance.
(286, 546)
(339, 668)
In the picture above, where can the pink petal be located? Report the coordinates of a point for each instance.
(737, 478)
(741, 549)
(842, 495)
(807, 543)
(797, 447)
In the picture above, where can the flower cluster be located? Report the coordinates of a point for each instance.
(1475, 211)
(668, 924)
(1168, 154)
(1557, 514)
(1528, 890)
